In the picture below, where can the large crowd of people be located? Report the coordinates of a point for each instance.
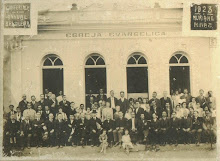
(109, 122)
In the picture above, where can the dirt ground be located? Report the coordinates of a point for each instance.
(168, 152)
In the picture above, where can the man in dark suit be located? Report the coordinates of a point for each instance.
(108, 125)
(168, 110)
(88, 98)
(95, 129)
(143, 128)
(50, 124)
(53, 104)
(101, 96)
(38, 130)
(12, 111)
(186, 124)
(155, 109)
(164, 128)
(174, 130)
(123, 102)
(138, 110)
(201, 99)
(186, 96)
(132, 125)
(112, 100)
(46, 113)
(23, 103)
(197, 125)
(42, 101)
(65, 104)
(26, 129)
(165, 99)
(120, 125)
(12, 128)
(34, 104)
(71, 110)
(60, 130)
(72, 131)
(156, 100)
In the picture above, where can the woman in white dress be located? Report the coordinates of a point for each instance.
(126, 142)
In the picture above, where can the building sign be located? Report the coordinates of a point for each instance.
(131, 34)
(203, 16)
(20, 17)
(17, 15)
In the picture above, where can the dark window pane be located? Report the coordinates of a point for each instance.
(47, 62)
(142, 60)
(136, 56)
(95, 79)
(131, 61)
(179, 77)
(58, 62)
(100, 61)
(178, 55)
(184, 60)
(137, 79)
(173, 60)
(53, 58)
(95, 57)
(53, 80)
(90, 62)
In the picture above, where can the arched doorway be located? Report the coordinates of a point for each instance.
(137, 74)
(179, 72)
(52, 71)
(95, 75)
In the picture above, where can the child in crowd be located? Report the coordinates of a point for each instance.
(103, 140)
(126, 142)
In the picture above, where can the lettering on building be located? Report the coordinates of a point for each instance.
(203, 17)
(17, 15)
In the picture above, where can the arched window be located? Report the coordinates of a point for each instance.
(179, 72)
(137, 74)
(95, 74)
(52, 71)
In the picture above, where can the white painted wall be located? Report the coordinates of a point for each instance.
(26, 76)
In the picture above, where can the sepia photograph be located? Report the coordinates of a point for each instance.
(110, 80)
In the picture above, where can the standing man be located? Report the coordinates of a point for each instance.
(165, 99)
(113, 100)
(201, 99)
(34, 104)
(186, 97)
(138, 110)
(101, 96)
(60, 97)
(156, 100)
(29, 112)
(23, 103)
(123, 102)
(42, 101)
(65, 104)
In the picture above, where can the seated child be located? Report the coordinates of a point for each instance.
(126, 142)
(103, 140)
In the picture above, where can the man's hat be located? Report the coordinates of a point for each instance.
(94, 111)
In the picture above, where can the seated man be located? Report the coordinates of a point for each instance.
(120, 125)
(60, 131)
(107, 111)
(26, 129)
(174, 129)
(51, 130)
(196, 127)
(209, 126)
(38, 130)
(143, 128)
(82, 125)
(71, 130)
(12, 130)
(95, 129)
(154, 132)
(132, 127)
(164, 127)
(186, 124)
(108, 125)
